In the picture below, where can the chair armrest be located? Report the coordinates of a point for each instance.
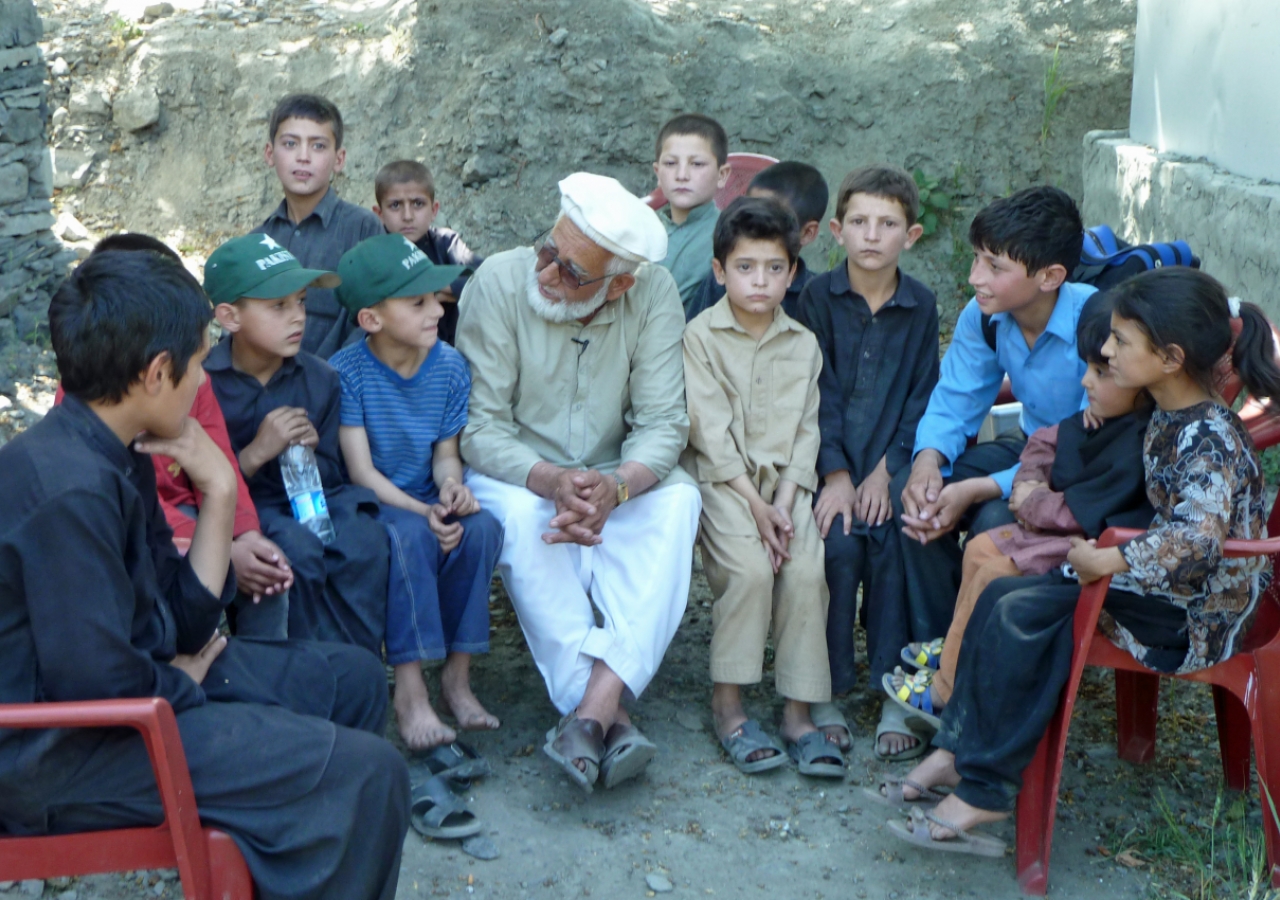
(154, 718)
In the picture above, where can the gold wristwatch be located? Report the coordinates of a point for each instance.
(623, 494)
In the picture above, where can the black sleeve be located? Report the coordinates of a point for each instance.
(82, 601)
(196, 611)
(815, 315)
(924, 378)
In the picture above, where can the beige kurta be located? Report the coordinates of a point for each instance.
(578, 396)
(753, 410)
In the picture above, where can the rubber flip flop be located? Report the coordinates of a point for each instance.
(828, 715)
(810, 749)
(893, 795)
(746, 739)
(575, 738)
(916, 831)
(436, 812)
(894, 721)
(627, 754)
(458, 763)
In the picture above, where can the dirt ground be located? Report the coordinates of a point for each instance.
(503, 98)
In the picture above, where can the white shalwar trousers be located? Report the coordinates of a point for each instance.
(637, 577)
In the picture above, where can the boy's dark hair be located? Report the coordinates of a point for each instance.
(1186, 308)
(117, 312)
(889, 182)
(800, 184)
(697, 124)
(1037, 227)
(130, 241)
(403, 171)
(1094, 327)
(311, 107)
(757, 219)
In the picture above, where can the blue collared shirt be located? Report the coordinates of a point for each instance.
(1046, 378)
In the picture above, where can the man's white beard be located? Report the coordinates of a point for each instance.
(564, 310)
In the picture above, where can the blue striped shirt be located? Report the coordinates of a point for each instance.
(404, 417)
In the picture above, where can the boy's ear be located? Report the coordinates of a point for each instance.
(157, 373)
(809, 232)
(914, 233)
(339, 160)
(723, 178)
(717, 270)
(836, 227)
(1052, 277)
(228, 317)
(619, 286)
(791, 276)
(369, 320)
(268, 153)
(376, 210)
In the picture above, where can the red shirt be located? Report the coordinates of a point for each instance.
(175, 488)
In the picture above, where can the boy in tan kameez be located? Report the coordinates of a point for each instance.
(751, 379)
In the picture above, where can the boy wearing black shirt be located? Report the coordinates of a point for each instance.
(281, 738)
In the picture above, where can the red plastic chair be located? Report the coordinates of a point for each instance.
(207, 860)
(1246, 699)
(745, 166)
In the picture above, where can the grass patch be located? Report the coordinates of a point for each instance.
(1219, 856)
(1055, 88)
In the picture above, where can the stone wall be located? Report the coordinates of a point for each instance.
(32, 260)
(1231, 222)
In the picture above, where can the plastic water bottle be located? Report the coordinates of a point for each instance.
(306, 493)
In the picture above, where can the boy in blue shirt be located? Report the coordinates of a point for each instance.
(404, 403)
(1021, 323)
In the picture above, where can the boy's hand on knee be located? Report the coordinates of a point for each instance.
(197, 665)
(775, 528)
(449, 534)
(1021, 491)
(874, 505)
(261, 567)
(838, 498)
(203, 461)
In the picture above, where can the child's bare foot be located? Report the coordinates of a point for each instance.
(955, 811)
(420, 727)
(458, 699)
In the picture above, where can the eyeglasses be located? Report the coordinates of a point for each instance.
(569, 275)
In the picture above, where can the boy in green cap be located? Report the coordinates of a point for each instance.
(404, 403)
(274, 395)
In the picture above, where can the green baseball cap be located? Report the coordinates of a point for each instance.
(256, 266)
(389, 265)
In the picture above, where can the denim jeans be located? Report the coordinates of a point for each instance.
(438, 603)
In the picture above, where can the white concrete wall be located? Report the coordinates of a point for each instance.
(1232, 223)
(1205, 82)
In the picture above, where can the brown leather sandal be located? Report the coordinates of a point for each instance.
(575, 738)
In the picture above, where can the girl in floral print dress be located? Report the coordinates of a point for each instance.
(1174, 601)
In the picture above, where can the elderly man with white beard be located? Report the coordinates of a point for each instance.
(576, 420)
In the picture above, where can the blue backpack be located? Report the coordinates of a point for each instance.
(1105, 261)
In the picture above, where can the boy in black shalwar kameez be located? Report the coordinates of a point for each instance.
(281, 738)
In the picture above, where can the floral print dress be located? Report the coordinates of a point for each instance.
(1205, 482)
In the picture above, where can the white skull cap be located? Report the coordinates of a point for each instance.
(613, 217)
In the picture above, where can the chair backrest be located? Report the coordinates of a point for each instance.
(745, 166)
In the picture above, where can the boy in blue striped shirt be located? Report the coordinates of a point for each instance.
(404, 403)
